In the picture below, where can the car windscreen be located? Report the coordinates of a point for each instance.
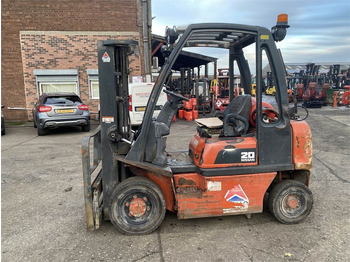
(62, 100)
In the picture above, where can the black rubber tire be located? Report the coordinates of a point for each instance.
(42, 132)
(3, 131)
(86, 128)
(120, 214)
(278, 198)
(34, 124)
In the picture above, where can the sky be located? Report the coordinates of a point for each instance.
(319, 30)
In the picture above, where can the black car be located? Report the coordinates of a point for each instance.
(60, 109)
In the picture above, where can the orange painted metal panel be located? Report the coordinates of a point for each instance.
(199, 196)
(223, 152)
(165, 183)
(302, 145)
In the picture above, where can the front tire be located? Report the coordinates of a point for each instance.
(42, 132)
(137, 206)
(290, 201)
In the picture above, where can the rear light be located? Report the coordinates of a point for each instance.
(130, 103)
(43, 109)
(83, 107)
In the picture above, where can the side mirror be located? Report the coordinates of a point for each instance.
(171, 35)
(166, 51)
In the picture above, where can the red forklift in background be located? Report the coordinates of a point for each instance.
(316, 93)
(221, 92)
(226, 174)
(202, 94)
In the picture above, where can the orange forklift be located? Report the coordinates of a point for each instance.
(225, 173)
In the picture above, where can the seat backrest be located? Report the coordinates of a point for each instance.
(239, 106)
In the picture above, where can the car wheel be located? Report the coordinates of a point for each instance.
(86, 128)
(42, 132)
(290, 201)
(137, 206)
(3, 132)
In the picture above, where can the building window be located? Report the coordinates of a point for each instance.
(56, 81)
(57, 87)
(94, 89)
(93, 83)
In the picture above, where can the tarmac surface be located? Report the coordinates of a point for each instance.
(43, 215)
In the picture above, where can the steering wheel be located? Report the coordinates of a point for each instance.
(179, 97)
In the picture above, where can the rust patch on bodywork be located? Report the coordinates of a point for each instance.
(297, 140)
(183, 181)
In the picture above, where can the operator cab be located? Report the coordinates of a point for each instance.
(250, 125)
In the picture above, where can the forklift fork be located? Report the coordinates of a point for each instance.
(92, 191)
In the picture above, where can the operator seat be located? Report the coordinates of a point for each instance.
(236, 116)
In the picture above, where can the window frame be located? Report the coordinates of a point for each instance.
(57, 82)
(91, 81)
(93, 77)
(55, 76)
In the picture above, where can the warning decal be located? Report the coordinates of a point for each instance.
(237, 196)
(106, 58)
(108, 119)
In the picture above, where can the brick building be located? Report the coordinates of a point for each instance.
(52, 46)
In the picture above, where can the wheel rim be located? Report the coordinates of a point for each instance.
(293, 204)
(135, 208)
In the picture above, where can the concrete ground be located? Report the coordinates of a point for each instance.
(43, 209)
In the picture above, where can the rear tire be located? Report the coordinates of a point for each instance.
(137, 206)
(290, 201)
(86, 128)
(42, 132)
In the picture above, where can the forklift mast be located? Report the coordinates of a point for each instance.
(269, 79)
(185, 81)
(113, 68)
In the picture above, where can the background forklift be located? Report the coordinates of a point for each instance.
(203, 96)
(315, 94)
(270, 86)
(221, 175)
(221, 92)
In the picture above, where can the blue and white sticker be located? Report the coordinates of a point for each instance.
(106, 58)
(238, 198)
